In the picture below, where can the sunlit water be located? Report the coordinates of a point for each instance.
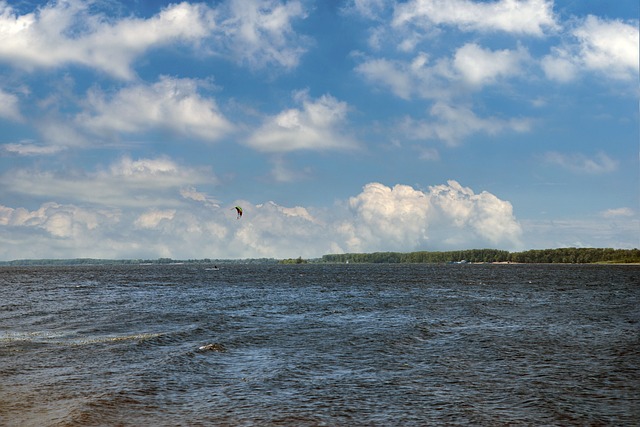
(335, 345)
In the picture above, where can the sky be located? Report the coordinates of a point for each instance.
(131, 129)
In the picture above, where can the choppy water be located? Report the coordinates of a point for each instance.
(320, 345)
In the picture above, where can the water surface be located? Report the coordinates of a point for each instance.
(320, 345)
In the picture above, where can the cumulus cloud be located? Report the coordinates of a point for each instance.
(452, 124)
(580, 163)
(317, 125)
(488, 217)
(530, 17)
(607, 47)
(403, 219)
(394, 217)
(170, 103)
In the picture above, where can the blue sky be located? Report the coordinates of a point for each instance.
(130, 129)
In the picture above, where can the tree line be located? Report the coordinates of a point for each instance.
(562, 255)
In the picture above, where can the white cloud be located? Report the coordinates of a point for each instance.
(593, 44)
(618, 213)
(409, 79)
(59, 221)
(607, 47)
(9, 107)
(259, 32)
(391, 74)
(267, 229)
(447, 216)
(317, 125)
(170, 103)
(529, 17)
(479, 66)
(367, 8)
(422, 77)
(611, 47)
(126, 183)
(190, 193)
(114, 212)
(27, 148)
(143, 168)
(488, 217)
(453, 124)
(389, 217)
(580, 163)
(379, 218)
(559, 66)
(64, 32)
(62, 133)
(152, 218)
(471, 68)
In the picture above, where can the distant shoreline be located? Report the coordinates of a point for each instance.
(70, 263)
(494, 256)
(592, 256)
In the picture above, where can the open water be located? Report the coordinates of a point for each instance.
(313, 345)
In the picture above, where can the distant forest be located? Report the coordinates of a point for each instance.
(563, 255)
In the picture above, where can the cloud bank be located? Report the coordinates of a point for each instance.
(152, 208)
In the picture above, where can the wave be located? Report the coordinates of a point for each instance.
(60, 338)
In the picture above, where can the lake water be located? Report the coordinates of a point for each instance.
(313, 345)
